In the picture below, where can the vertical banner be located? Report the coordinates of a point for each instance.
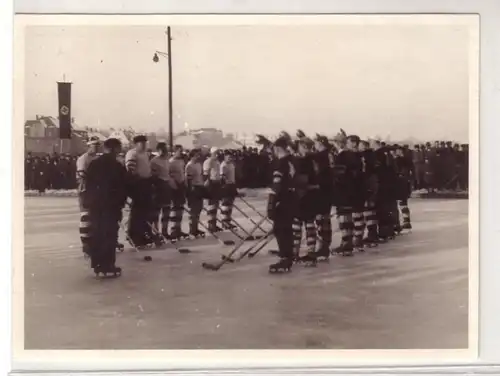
(64, 94)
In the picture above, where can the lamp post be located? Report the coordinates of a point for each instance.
(156, 59)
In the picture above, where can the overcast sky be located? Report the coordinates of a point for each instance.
(402, 80)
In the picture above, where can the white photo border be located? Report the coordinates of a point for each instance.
(489, 341)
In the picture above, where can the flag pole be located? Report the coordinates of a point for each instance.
(170, 105)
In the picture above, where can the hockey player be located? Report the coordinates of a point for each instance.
(385, 192)
(371, 186)
(280, 205)
(195, 192)
(324, 161)
(358, 191)
(212, 178)
(228, 191)
(163, 185)
(403, 169)
(82, 164)
(349, 194)
(307, 189)
(177, 175)
(139, 171)
(105, 196)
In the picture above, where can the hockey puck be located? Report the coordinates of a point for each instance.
(228, 242)
(273, 252)
(148, 258)
(184, 250)
(208, 266)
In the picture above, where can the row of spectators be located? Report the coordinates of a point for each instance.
(442, 166)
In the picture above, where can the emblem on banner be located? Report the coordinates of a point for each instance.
(64, 110)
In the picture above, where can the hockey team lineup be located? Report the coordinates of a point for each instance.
(364, 186)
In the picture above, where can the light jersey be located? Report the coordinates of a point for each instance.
(211, 169)
(228, 172)
(160, 167)
(82, 164)
(137, 163)
(176, 169)
(194, 173)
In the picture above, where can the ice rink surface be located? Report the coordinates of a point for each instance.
(409, 293)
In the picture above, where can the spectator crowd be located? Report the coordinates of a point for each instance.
(436, 167)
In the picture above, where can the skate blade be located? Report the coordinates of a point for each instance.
(280, 271)
(310, 264)
(108, 275)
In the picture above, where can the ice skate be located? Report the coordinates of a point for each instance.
(322, 255)
(282, 266)
(371, 241)
(159, 241)
(215, 229)
(407, 226)
(178, 235)
(167, 236)
(358, 245)
(108, 272)
(197, 234)
(120, 247)
(228, 226)
(308, 260)
(344, 250)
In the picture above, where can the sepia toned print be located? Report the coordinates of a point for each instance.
(264, 186)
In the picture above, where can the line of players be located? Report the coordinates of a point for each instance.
(159, 188)
(366, 182)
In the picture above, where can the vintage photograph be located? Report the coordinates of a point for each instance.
(267, 185)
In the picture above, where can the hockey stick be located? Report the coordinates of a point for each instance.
(254, 209)
(129, 239)
(260, 244)
(253, 222)
(217, 266)
(223, 242)
(259, 241)
(218, 221)
(165, 241)
(267, 239)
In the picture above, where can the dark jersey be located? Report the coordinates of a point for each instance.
(282, 184)
(306, 171)
(324, 161)
(349, 165)
(106, 183)
(402, 166)
(368, 158)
